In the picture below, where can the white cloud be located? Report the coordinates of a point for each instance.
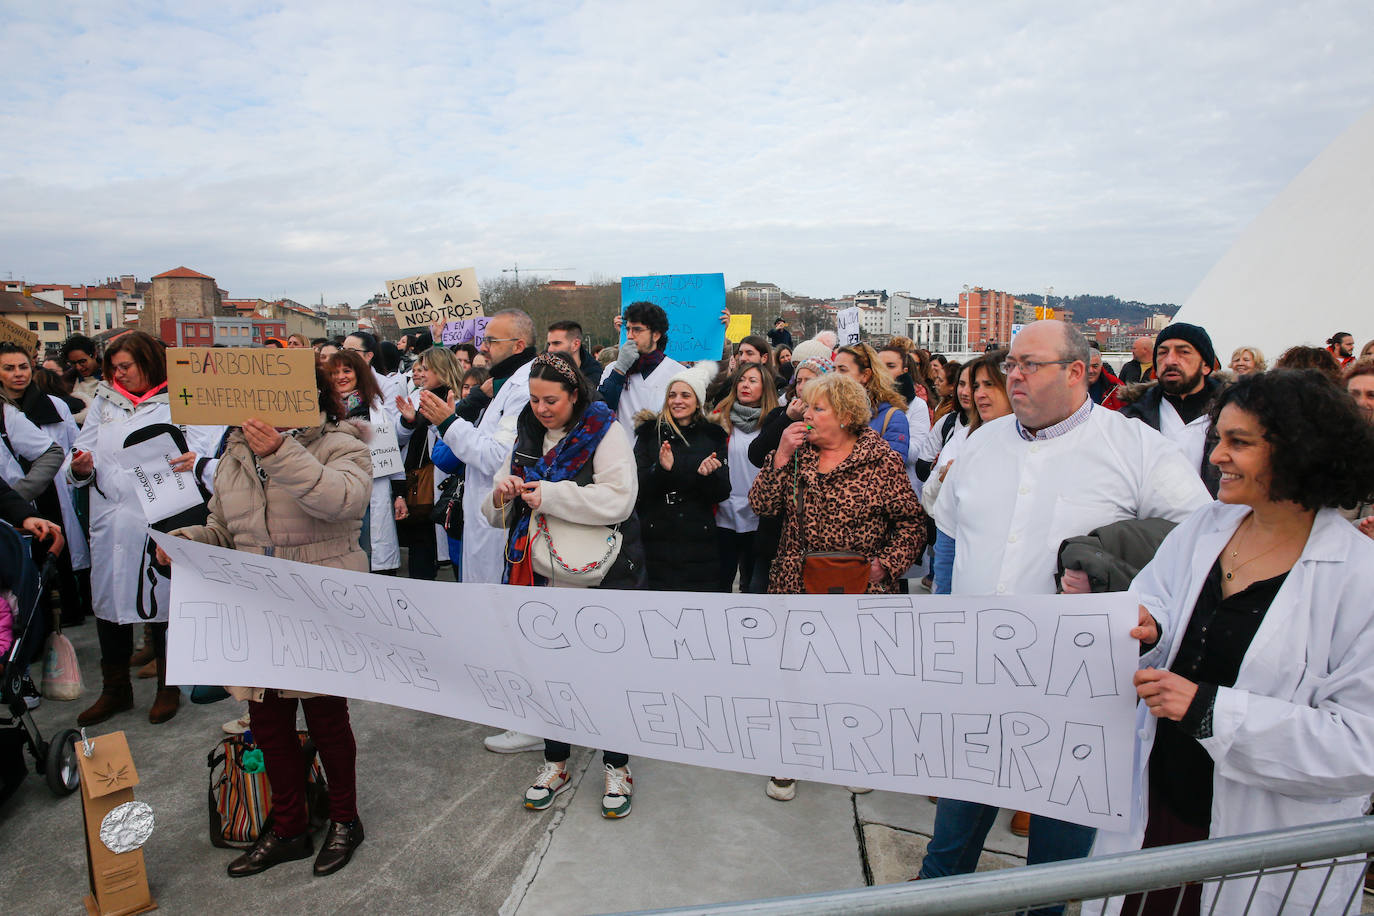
(326, 148)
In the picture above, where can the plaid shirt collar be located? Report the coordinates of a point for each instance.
(1072, 421)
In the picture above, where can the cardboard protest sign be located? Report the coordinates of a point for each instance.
(230, 384)
(693, 303)
(847, 326)
(469, 330)
(116, 827)
(1023, 702)
(164, 492)
(740, 327)
(21, 337)
(449, 295)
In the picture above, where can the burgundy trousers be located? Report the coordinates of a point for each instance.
(274, 731)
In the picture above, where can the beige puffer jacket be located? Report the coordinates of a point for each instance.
(309, 509)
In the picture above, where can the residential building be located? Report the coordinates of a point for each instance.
(989, 313)
(1156, 323)
(938, 331)
(41, 317)
(902, 305)
(760, 299)
(219, 331)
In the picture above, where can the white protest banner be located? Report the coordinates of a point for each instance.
(847, 326)
(165, 491)
(386, 452)
(1020, 702)
(449, 295)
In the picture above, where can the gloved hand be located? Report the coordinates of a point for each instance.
(629, 353)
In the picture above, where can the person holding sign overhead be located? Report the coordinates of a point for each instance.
(355, 385)
(639, 377)
(128, 585)
(314, 485)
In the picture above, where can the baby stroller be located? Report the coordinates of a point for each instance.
(56, 759)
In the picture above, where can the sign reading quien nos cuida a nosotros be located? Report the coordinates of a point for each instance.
(693, 303)
(449, 295)
(1023, 702)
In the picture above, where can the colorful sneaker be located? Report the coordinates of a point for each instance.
(620, 788)
(781, 789)
(553, 778)
(513, 742)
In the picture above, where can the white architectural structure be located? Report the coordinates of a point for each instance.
(1299, 272)
(938, 331)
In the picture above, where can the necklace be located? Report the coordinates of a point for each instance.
(1234, 553)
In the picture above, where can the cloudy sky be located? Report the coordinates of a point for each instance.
(321, 149)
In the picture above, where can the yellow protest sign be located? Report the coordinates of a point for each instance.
(449, 295)
(740, 327)
(228, 385)
(22, 337)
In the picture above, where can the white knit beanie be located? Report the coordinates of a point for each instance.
(808, 349)
(697, 377)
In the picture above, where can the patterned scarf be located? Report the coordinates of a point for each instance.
(647, 362)
(562, 462)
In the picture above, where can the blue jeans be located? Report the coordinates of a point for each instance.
(961, 828)
(942, 567)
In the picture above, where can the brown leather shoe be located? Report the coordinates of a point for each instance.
(168, 698)
(338, 846)
(1020, 823)
(270, 850)
(148, 670)
(142, 656)
(116, 695)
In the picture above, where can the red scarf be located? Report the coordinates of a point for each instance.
(137, 399)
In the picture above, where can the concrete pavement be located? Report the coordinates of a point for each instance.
(446, 832)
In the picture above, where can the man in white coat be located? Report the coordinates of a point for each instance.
(484, 448)
(639, 378)
(1057, 467)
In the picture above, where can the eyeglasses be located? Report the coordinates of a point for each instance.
(500, 339)
(635, 329)
(1031, 366)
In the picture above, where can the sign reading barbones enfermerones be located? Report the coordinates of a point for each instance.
(1022, 702)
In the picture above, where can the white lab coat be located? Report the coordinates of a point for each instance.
(642, 393)
(384, 544)
(64, 433)
(125, 587)
(1010, 503)
(918, 440)
(484, 449)
(29, 441)
(1293, 740)
(1191, 437)
(734, 513)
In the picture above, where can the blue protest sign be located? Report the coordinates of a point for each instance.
(693, 303)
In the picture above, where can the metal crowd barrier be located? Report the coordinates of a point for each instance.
(1338, 847)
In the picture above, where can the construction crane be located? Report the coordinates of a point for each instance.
(545, 270)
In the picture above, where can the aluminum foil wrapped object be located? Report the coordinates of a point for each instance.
(127, 827)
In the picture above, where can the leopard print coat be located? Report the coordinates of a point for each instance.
(865, 504)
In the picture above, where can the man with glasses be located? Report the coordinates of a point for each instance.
(1057, 467)
(1180, 405)
(638, 380)
(79, 352)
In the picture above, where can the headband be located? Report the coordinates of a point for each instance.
(561, 366)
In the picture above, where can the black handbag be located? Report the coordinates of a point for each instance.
(448, 506)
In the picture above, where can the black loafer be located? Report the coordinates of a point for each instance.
(338, 846)
(270, 850)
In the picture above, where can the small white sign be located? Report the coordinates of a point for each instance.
(847, 326)
(164, 492)
(386, 452)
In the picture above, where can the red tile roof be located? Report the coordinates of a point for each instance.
(19, 304)
(177, 273)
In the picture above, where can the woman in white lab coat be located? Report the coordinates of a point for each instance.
(1257, 687)
(364, 400)
(127, 585)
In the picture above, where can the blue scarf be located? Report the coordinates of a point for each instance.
(562, 462)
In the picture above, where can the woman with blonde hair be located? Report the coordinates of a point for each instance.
(861, 362)
(435, 370)
(751, 397)
(1246, 360)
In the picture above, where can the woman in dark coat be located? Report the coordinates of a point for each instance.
(682, 476)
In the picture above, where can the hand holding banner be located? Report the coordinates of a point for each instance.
(227, 385)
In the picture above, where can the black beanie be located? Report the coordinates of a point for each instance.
(1193, 335)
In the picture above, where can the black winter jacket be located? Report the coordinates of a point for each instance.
(1146, 409)
(677, 508)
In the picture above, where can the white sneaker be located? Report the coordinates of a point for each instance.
(513, 742)
(620, 788)
(236, 726)
(781, 789)
(552, 779)
(858, 790)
